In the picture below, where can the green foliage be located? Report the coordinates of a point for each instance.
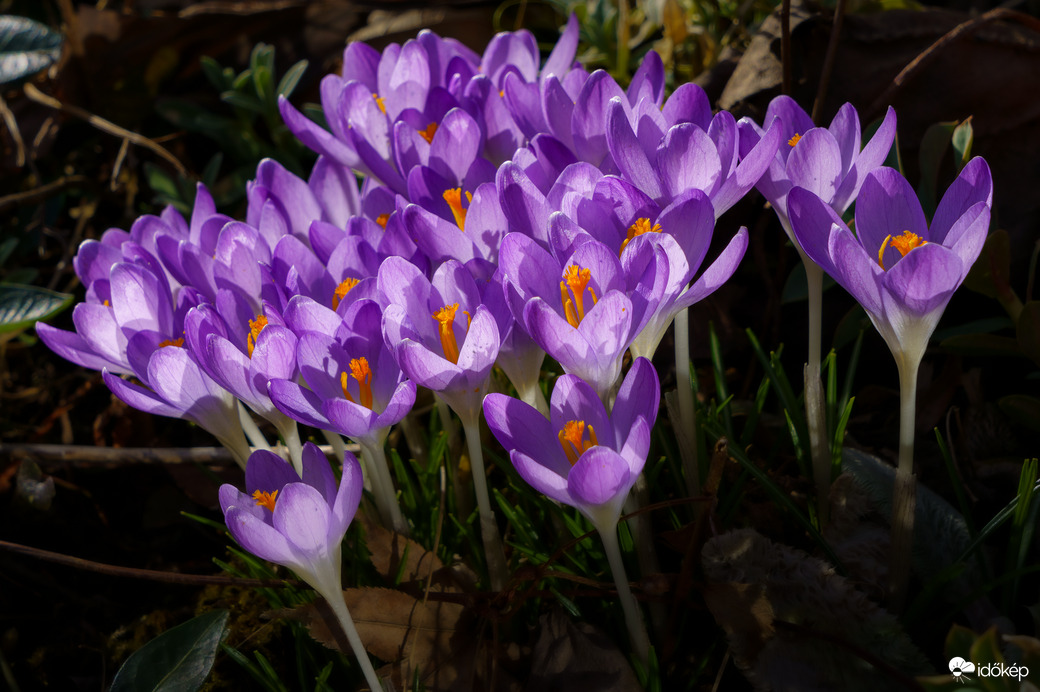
(23, 306)
(178, 660)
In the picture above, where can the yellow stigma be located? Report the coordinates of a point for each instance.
(342, 290)
(640, 227)
(429, 132)
(360, 371)
(255, 327)
(453, 197)
(265, 499)
(572, 439)
(179, 343)
(382, 219)
(904, 243)
(446, 320)
(577, 280)
(794, 140)
(379, 101)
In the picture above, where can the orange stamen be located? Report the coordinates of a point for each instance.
(265, 499)
(794, 140)
(342, 290)
(255, 327)
(453, 197)
(904, 243)
(360, 371)
(429, 132)
(179, 343)
(343, 380)
(446, 318)
(382, 219)
(572, 439)
(640, 227)
(379, 101)
(576, 279)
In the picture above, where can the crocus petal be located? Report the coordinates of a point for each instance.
(302, 516)
(811, 221)
(855, 269)
(140, 398)
(601, 476)
(873, 155)
(717, 273)
(628, 152)
(519, 426)
(924, 279)
(268, 472)
(974, 184)
(639, 396)
(545, 480)
(574, 400)
(347, 499)
(815, 163)
(262, 539)
(317, 473)
(298, 403)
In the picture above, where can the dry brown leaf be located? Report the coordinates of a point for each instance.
(397, 558)
(577, 656)
(431, 637)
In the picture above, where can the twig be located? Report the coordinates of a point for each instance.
(931, 52)
(105, 126)
(41, 192)
(45, 454)
(148, 574)
(828, 61)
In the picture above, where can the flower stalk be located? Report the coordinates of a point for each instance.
(494, 552)
(633, 617)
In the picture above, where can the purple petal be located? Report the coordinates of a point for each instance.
(600, 477)
(973, 185)
(639, 396)
(628, 152)
(574, 400)
(545, 480)
(268, 472)
(925, 279)
(260, 538)
(298, 403)
(873, 155)
(887, 205)
(302, 516)
(815, 164)
(317, 473)
(347, 499)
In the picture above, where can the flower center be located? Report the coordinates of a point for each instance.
(265, 499)
(429, 132)
(577, 280)
(446, 326)
(572, 439)
(379, 102)
(453, 197)
(342, 290)
(904, 243)
(179, 343)
(255, 327)
(640, 227)
(360, 371)
(794, 140)
(382, 219)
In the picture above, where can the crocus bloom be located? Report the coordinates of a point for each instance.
(299, 523)
(900, 269)
(827, 161)
(441, 334)
(581, 456)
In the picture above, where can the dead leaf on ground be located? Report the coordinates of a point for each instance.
(576, 656)
(397, 558)
(433, 637)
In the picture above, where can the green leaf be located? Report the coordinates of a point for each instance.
(244, 101)
(22, 306)
(26, 47)
(178, 660)
(292, 77)
(962, 139)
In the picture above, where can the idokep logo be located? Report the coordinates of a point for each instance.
(962, 670)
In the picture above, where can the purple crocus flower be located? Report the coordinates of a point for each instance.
(827, 161)
(581, 456)
(299, 521)
(900, 269)
(442, 335)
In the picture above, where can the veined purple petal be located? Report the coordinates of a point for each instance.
(873, 155)
(855, 269)
(600, 477)
(688, 104)
(811, 222)
(262, 539)
(639, 396)
(73, 347)
(815, 164)
(574, 400)
(347, 498)
(925, 278)
(845, 129)
(518, 426)
(302, 516)
(628, 152)
(968, 235)
(687, 160)
(298, 403)
(427, 368)
(562, 56)
(545, 480)
(717, 273)
(268, 472)
(973, 185)
(887, 205)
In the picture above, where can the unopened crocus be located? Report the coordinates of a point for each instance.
(299, 521)
(903, 271)
(584, 457)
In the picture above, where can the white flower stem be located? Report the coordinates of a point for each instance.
(633, 617)
(687, 413)
(815, 404)
(291, 436)
(494, 552)
(531, 394)
(256, 438)
(389, 507)
(339, 607)
(904, 494)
